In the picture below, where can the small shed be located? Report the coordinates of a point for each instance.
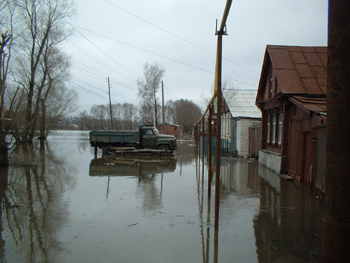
(241, 122)
(170, 129)
(292, 97)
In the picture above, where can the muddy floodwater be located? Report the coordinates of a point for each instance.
(60, 204)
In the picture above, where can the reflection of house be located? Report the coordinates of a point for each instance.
(170, 129)
(240, 123)
(288, 224)
(292, 98)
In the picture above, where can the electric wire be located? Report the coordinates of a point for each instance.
(101, 49)
(172, 34)
(163, 56)
(97, 60)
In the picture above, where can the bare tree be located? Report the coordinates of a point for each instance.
(186, 114)
(170, 112)
(86, 121)
(6, 30)
(99, 113)
(148, 88)
(129, 114)
(40, 66)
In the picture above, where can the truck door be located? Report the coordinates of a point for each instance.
(149, 140)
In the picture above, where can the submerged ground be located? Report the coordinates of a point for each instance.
(60, 204)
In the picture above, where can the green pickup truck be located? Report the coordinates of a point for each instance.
(147, 137)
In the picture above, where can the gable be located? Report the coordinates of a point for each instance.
(241, 103)
(293, 70)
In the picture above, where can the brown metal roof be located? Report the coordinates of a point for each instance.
(300, 70)
(318, 105)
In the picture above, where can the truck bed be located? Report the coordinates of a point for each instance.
(103, 138)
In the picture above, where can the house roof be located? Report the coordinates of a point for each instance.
(318, 105)
(241, 103)
(299, 70)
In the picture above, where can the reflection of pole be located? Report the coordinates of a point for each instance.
(209, 151)
(110, 104)
(216, 245)
(208, 232)
(218, 131)
(336, 221)
(108, 183)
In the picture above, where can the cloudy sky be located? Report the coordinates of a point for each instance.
(115, 38)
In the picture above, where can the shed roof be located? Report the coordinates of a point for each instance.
(241, 103)
(299, 70)
(318, 105)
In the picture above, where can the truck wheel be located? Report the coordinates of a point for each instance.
(164, 147)
(107, 149)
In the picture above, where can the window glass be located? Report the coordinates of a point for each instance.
(268, 129)
(155, 131)
(273, 129)
(148, 132)
(280, 121)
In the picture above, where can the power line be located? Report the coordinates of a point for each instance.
(97, 60)
(185, 40)
(153, 53)
(101, 50)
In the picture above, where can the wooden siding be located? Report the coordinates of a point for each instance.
(321, 158)
(254, 142)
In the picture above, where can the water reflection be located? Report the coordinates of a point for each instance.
(145, 169)
(288, 225)
(31, 210)
(53, 196)
(286, 217)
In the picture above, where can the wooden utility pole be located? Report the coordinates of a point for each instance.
(336, 220)
(221, 32)
(110, 104)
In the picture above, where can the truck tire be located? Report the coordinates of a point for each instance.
(164, 147)
(107, 149)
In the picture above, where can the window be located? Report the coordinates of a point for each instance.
(268, 128)
(273, 129)
(280, 121)
(274, 123)
(155, 131)
(148, 132)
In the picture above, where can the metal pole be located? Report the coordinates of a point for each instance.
(218, 131)
(209, 150)
(163, 107)
(203, 143)
(110, 103)
(182, 114)
(336, 221)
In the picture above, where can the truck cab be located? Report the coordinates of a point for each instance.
(152, 139)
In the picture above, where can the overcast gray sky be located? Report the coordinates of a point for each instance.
(115, 38)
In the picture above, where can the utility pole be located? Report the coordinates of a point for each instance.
(182, 116)
(110, 103)
(336, 220)
(218, 75)
(163, 107)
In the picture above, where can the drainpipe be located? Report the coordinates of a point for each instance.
(336, 221)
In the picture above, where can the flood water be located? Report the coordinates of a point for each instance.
(60, 204)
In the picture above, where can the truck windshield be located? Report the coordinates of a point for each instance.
(156, 132)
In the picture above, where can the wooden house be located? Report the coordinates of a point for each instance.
(292, 97)
(240, 123)
(170, 129)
